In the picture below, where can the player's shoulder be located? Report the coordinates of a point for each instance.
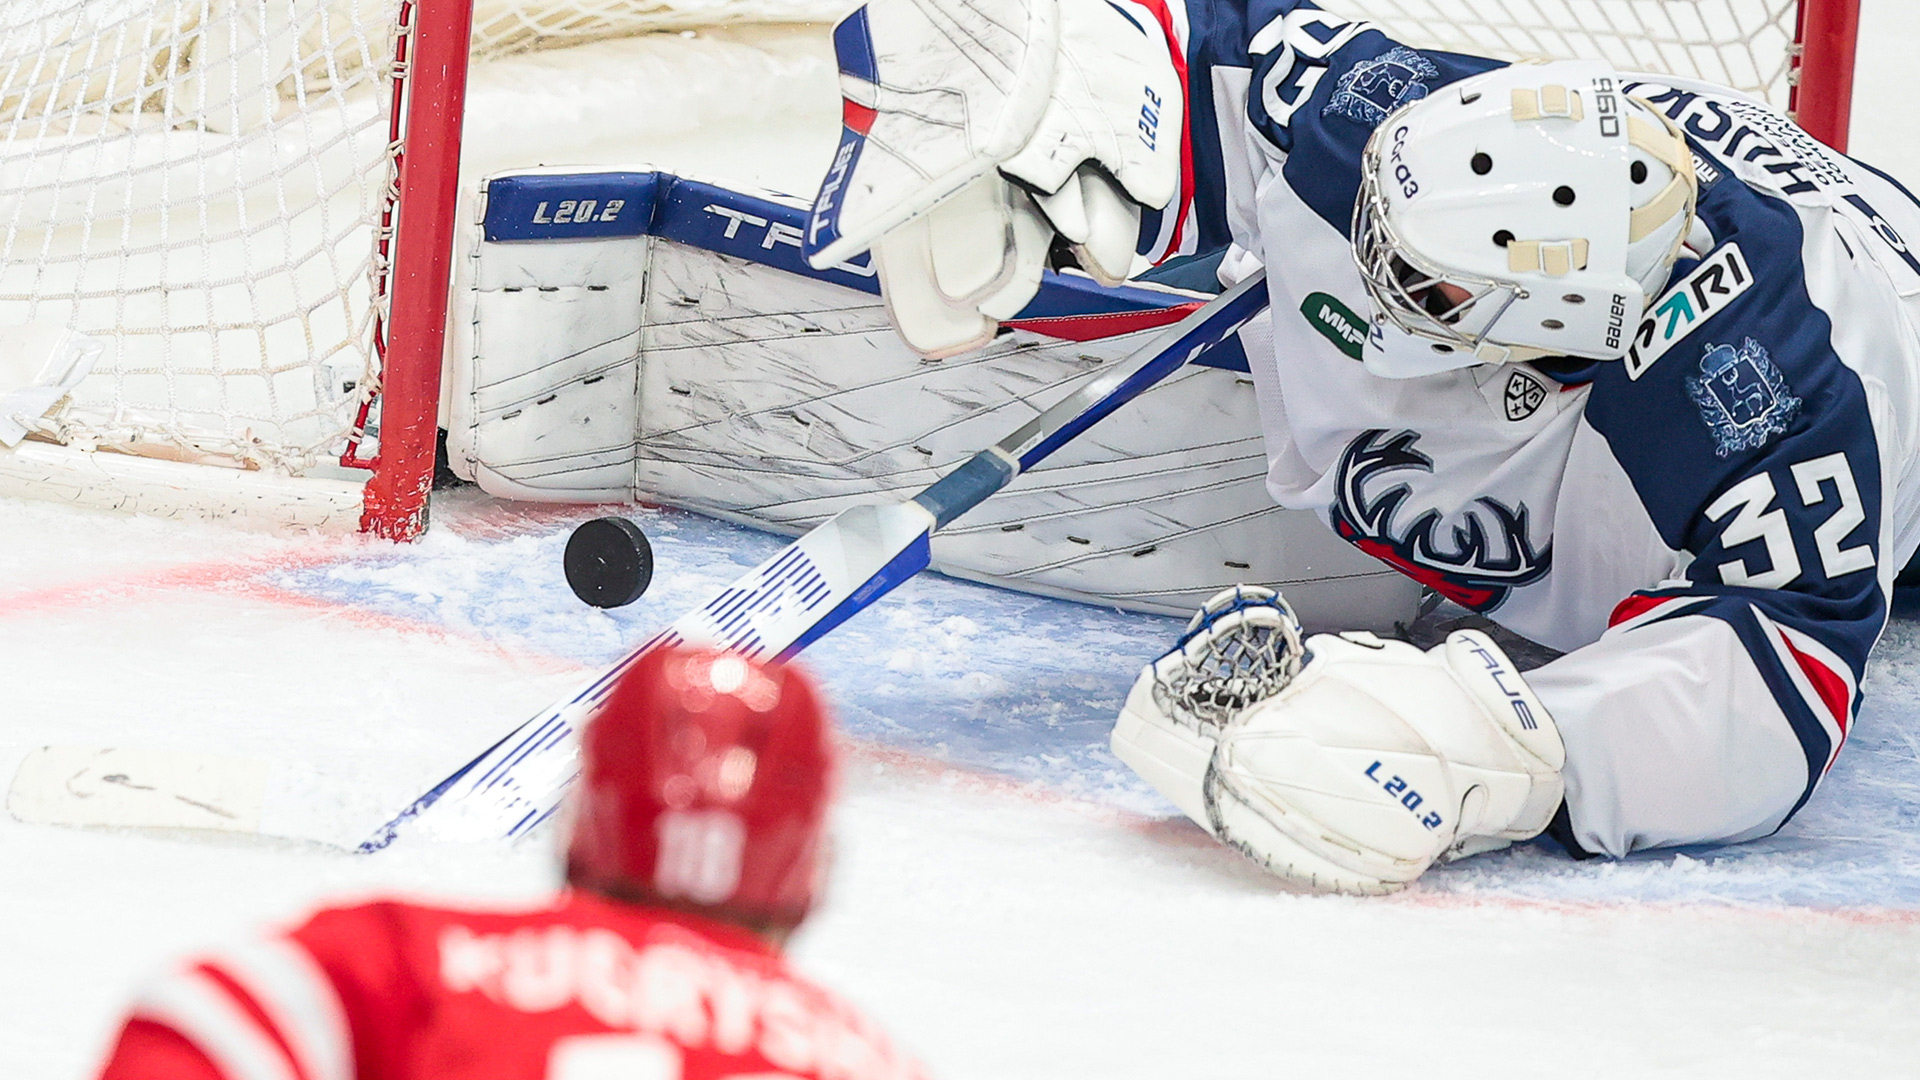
(1322, 82)
(481, 948)
(396, 921)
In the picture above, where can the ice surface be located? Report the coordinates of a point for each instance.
(1007, 898)
(999, 872)
(1026, 688)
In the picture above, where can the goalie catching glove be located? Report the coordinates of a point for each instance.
(1341, 762)
(978, 135)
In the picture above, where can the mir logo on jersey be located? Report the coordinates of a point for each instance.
(1477, 571)
(1336, 322)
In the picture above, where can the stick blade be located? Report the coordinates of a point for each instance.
(150, 789)
(774, 610)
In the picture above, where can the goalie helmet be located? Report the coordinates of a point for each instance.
(1526, 212)
(704, 783)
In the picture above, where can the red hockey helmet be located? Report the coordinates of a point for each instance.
(704, 781)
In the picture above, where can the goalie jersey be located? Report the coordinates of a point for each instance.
(585, 989)
(1709, 529)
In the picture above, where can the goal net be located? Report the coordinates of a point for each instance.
(1745, 44)
(208, 188)
(212, 190)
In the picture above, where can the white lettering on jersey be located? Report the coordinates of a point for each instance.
(613, 1057)
(680, 991)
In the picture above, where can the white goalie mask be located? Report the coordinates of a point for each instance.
(1523, 213)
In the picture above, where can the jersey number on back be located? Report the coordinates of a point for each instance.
(1749, 502)
(613, 1057)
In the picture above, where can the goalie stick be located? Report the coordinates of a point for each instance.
(805, 590)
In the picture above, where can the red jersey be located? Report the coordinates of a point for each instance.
(587, 989)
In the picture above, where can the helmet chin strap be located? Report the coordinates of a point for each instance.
(1667, 219)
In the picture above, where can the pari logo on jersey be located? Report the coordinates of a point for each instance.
(1714, 284)
(1371, 89)
(1477, 571)
(1742, 396)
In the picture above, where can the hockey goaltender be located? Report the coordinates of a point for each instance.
(1638, 382)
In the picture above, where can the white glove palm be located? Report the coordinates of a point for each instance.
(1369, 764)
(975, 134)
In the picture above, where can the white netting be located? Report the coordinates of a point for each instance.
(198, 182)
(194, 181)
(1744, 44)
(503, 27)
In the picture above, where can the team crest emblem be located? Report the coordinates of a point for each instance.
(1373, 88)
(1524, 396)
(1742, 396)
(1491, 553)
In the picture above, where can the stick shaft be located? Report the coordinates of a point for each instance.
(811, 586)
(991, 469)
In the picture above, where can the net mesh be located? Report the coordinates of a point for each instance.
(199, 183)
(1745, 44)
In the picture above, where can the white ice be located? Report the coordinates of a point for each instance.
(1007, 898)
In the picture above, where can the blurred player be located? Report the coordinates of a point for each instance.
(696, 847)
(1638, 378)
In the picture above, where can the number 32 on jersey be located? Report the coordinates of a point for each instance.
(1819, 482)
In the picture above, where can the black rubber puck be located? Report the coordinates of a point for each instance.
(609, 563)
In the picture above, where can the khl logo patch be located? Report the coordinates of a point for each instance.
(1524, 396)
(1743, 397)
(1373, 88)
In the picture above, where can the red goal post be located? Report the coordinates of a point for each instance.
(433, 47)
(251, 205)
(1826, 34)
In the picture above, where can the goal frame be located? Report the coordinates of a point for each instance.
(418, 228)
(1820, 80)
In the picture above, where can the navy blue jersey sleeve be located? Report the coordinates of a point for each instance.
(1755, 450)
(1320, 84)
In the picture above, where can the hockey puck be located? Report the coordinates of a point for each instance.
(609, 562)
